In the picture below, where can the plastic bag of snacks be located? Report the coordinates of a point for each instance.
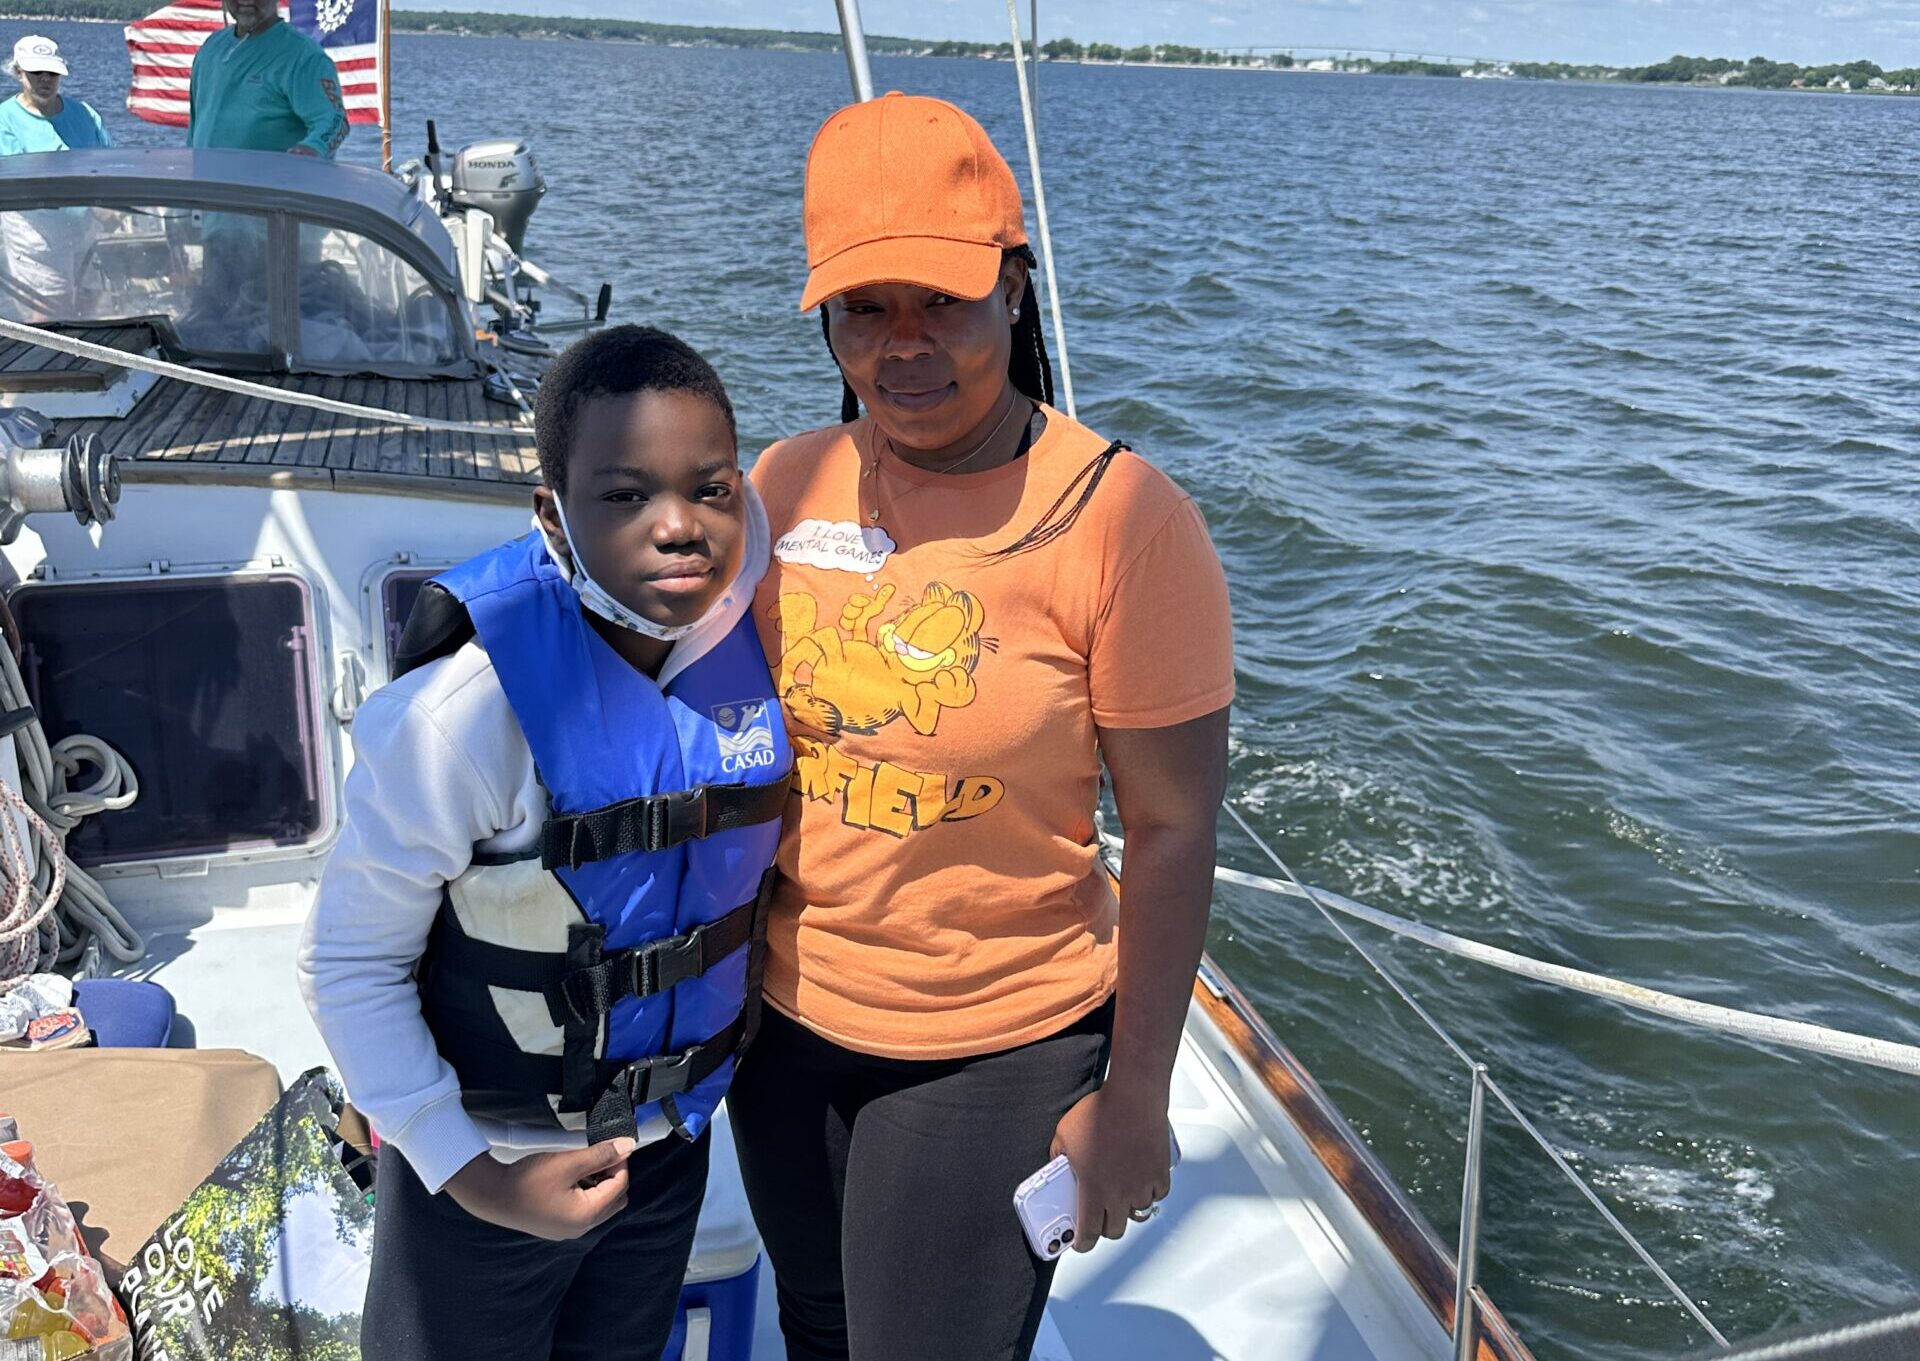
(54, 1303)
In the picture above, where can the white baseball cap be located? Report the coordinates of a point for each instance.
(34, 53)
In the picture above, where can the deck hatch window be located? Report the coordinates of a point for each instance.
(398, 590)
(206, 686)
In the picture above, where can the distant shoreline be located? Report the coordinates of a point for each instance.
(1858, 77)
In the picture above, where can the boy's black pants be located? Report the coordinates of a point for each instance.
(449, 1287)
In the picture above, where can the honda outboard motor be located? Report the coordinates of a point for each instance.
(500, 178)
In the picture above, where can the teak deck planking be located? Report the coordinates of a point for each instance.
(180, 431)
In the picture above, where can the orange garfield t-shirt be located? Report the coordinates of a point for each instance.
(940, 891)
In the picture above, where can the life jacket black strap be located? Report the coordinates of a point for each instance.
(657, 822)
(500, 1079)
(634, 1084)
(499, 966)
(612, 1116)
(589, 993)
(617, 1084)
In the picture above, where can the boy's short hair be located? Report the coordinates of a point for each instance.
(616, 362)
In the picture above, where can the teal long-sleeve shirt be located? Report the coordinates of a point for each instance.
(272, 91)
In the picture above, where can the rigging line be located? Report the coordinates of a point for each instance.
(1606, 1213)
(1028, 116)
(1532, 1130)
(1749, 1025)
(106, 354)
(1825, 1343)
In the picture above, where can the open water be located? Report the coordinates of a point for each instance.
(1563, 446)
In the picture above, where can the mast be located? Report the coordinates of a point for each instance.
(386, 86)
(853, 41)
(1033, 29)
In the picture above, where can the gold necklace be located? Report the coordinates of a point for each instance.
(873, 468)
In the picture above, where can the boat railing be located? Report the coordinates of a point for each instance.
(1770, 1030)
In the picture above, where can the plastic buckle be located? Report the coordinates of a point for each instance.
(686, 815)
(677, 960)
(668, 1070)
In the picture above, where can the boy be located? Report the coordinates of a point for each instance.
(534, 953)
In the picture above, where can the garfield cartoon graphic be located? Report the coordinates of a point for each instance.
(857, 677)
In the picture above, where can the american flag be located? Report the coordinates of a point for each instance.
(163, 45)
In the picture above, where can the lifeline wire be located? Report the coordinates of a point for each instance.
(1838, 1341)
(1040, 205)
(1749, 1025)
(1533, 1132)
(106, 354)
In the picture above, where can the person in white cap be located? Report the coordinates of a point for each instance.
(40, 118)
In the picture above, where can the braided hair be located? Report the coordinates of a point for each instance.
(1028, 367)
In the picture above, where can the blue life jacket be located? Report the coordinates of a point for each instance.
(616, 968)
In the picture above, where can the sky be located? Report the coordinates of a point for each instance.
(1616, 32)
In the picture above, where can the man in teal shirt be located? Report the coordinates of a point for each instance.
(40, 118)
(262, 85)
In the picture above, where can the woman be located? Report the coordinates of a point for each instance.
(40, 118)
(973, 599)
(43, 247)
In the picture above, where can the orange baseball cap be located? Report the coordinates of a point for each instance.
(909, 190)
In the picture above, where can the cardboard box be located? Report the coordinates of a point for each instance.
(126, 1134)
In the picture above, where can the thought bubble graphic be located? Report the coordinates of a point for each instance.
(836, 546)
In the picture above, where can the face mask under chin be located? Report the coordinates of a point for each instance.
(601, 602)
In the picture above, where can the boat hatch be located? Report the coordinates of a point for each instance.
(237, 275)
(399, 587)
(208, 686)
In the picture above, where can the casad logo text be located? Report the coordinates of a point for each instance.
(745, 731)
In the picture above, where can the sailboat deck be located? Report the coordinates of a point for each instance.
(179, 431)
(25, 367)
(1257, 1256)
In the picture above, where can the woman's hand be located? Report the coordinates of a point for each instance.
(556, 1196)
(1117, 1141)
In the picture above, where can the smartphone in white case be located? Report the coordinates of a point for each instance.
(1048, 1202)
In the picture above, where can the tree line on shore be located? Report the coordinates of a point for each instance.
(1756, 72)
(1764, 74)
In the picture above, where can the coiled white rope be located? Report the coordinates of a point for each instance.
(1031, 118)
(106, 354)
(24, 905)
(77, 921)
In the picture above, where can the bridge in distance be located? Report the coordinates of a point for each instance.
(1372, 54)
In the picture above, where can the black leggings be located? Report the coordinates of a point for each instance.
(884, 1188)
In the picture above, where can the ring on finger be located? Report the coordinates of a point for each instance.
(1142, 1216)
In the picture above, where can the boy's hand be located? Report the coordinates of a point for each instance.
(556, 1196)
